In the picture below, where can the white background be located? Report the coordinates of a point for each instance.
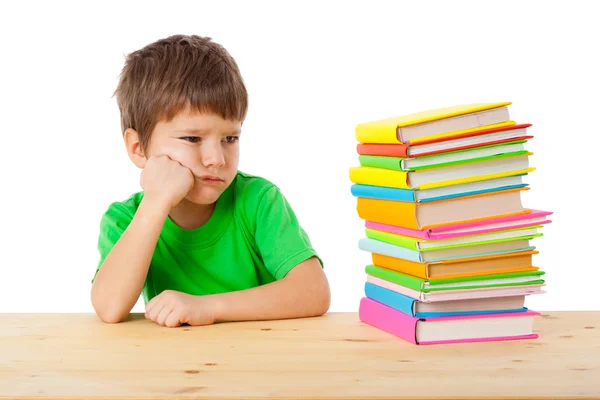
(313, 70)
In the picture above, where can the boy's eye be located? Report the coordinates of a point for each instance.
(231, 139)
(192, 139)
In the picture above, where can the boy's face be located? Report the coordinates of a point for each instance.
(206, 144)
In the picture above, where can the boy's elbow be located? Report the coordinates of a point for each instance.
(107, 312)
(321, 291)
(111, 317)
(323, 301)
(321, 308)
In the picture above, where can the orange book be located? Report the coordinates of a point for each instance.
(485, 265)
(425, 215)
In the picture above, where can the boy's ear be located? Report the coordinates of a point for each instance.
(134, 148)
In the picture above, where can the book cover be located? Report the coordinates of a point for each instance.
(406, 304)
(385, 130)
(404, 326)
(494, 224)
(407, 149)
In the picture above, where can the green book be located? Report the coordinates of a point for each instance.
(466, 282)
(462, 241)
(465, 156)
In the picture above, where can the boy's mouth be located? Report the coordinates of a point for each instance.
(210, 179)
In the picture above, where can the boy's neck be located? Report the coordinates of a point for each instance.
(190, 216)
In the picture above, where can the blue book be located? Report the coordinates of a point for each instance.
(388, 249)
(408, 305)
(440, 193)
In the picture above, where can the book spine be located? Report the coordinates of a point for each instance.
(387, 319)
(391, 212)
(385, 162)
(400, 265)
(395, 277)
(390, 298)
(382, 193)
(376, 246)
(393, 238)
(378, 149)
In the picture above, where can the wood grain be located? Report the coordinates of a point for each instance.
(332, 357)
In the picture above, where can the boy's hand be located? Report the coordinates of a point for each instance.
(171, 308)
(166, 180)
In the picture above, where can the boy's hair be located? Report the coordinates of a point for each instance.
(171, 74)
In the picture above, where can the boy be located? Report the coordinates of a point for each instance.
(203, 242)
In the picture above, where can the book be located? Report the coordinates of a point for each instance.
(451, 329)
(484, 265)
(416, 308)
(469, 282)
(497, 167)
(444, 122)
(460, 294)
(419, 244)
(452, 253)
(494, 224)
(438, 193)
(450, 158)
(451, 243)
(460, 210)
(476, 138)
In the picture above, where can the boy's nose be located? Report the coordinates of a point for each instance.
(212, 156)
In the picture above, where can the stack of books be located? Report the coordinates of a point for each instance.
(450, 239)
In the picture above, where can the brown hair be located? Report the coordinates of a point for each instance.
(171, 74)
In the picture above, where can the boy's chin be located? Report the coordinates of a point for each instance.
(204, 196)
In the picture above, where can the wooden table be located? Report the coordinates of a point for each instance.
(334, 356)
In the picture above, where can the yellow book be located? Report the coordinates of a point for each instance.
(435, 124)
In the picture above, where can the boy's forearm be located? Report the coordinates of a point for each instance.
(303, 293)
(121, 278)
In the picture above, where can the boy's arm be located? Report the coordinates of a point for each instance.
(303, 292)
(121, 278)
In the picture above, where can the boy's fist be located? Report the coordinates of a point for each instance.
(166, 180)
(172, 308)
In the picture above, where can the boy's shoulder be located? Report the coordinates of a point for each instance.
(124, 210)
(251, 188)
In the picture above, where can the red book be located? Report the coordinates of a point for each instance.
(463, 141)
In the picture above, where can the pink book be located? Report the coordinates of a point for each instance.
(535, 217)
(445, 330)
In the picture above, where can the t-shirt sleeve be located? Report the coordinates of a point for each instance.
(112, 225)
(281, 240)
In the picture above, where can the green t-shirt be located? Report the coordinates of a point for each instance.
(252, 238)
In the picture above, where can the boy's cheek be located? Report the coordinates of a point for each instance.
(182, 156)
